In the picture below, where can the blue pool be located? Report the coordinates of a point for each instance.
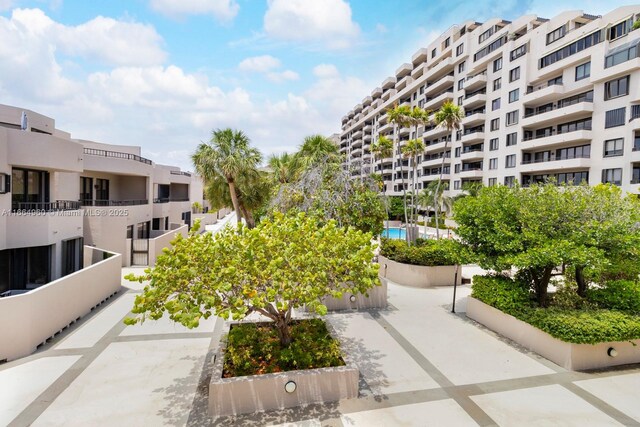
(394, 233)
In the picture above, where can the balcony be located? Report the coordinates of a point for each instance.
(477, 136)
(439, 85)
(443, 67)
(474, 119)
(557, 115)
(475, 82)
(436, 102)
(367, 128)
(112, 203)
(388, 94)
(388, 83)
(116, 155)
(418, 71)
(470, 173)
(385, 128)
(40, 207)
(367, 101)
(356, 153)
(367, 138)
(558, 139)
(435, 132)
(43, 224)
(474, 100)
(555, 164)
(543, 93)
(357, 134)
(420, 56)
(403, 83)
(404, 70)
(404, 131)
(469, 155)
(376, 93)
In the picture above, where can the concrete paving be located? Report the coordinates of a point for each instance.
(420, 365)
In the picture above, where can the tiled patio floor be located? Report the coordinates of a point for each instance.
(420, 365)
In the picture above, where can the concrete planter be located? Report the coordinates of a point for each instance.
(255, 393)
(416, 275)
(576, 357)
(377, 299)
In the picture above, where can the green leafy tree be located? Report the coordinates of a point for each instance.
(225, 159)
(437, 201)
(284, 263)
(449, 116)
(317, 149)
(400, 116)
(284, 167)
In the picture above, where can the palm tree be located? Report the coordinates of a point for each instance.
(227, 157)
(411, 151)
(383, 149)
(400, 116)
(449, 116)
(284, 168)
(433, 195)
(315, 149)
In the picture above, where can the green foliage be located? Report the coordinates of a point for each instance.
(617, 295)
(396, 208)
(425, 252)
(197, 207)
(636, 24)
(254, 348)
(566, 298)
(284, 263)
(501, 292)
(580, 326)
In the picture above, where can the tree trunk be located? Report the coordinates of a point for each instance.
(413, 206)
(435, 197)
(248, 216)
(581, 282)
(234, 199)
(284, 333)
(541, 285)
(404, 190)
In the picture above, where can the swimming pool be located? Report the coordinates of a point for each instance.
(394, 233)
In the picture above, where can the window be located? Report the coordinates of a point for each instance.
(457, 152)
(495, 124)
(622, 54)
(484, 36)
(584, 124)
(102, 192)
(433, 53)
(30, 188)
(636, 141)
(497, 84)
(514, 74)
(510, 161)
(492, 182)
(512, 139)
(512, 118)
(495, 104)
(460, 99)
(86, 189)
(620, 29)
(456, 184)
(493, 144)
(580, 152)
(461, 66)
(460, 49)
(447, 42)
(456, 168)
(130, 232)
(71, 255)
(571, 49)
(493, 163)
(614, 118)
(497, 65)
(490, 48)
(556, 34)
(612, 176)
(518, 52)
(613, 147)
(509, 181)
(5, 183)
(514, 95)
(616, 88)
(583, 71)
(572, 178)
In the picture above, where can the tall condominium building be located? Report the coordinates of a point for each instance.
(541, 97)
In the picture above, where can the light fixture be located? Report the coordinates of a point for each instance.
(612, 352)
(290, 386)
(352, 298)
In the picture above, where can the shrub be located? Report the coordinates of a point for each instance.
(501, 292)
(617, 295)
(424, 252)
(567, 298)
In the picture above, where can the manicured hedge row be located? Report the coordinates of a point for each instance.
(616, 319)
(424, 252)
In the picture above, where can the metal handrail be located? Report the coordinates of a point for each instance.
(117, 155)
(580, 156)
(555, 107)
(135, 202)
(58, 205)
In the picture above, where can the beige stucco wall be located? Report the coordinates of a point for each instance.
(157, 244)
(33, 317)
(418, 276)
(570, 356)
(377, 298)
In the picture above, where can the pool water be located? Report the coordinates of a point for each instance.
(394, 233)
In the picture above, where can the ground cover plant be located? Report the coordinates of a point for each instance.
(425, 252)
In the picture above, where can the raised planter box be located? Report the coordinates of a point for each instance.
(377, 299)
(255, 393)
(416, 275)
(576, 357)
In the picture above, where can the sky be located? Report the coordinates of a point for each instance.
(162, 74)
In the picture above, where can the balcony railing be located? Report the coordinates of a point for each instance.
(579, 156)
(555, 107)
(180, 173)
(136, 202)
(58, 205)
(635, 112)
(532, 89)
(546, 135)
(116, 154)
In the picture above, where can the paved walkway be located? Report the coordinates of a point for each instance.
(420, 365)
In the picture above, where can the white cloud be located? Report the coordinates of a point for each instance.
(324, 21)
(286, 75)
(325, 71)
(223, 10)
(381, 28)
(103, 39)
(259, 64)
(6, 4)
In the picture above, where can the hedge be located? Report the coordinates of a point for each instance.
(424, 252)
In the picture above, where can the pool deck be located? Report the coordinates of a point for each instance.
(420, 365)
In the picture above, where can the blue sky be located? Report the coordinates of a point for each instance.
(162, 73)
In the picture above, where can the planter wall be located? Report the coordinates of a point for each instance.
(575, 357)
(392, 224)
(377, 299)
(416, 275)
(255, 393)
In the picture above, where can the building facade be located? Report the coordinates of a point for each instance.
(58, 194)
(542, 98)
